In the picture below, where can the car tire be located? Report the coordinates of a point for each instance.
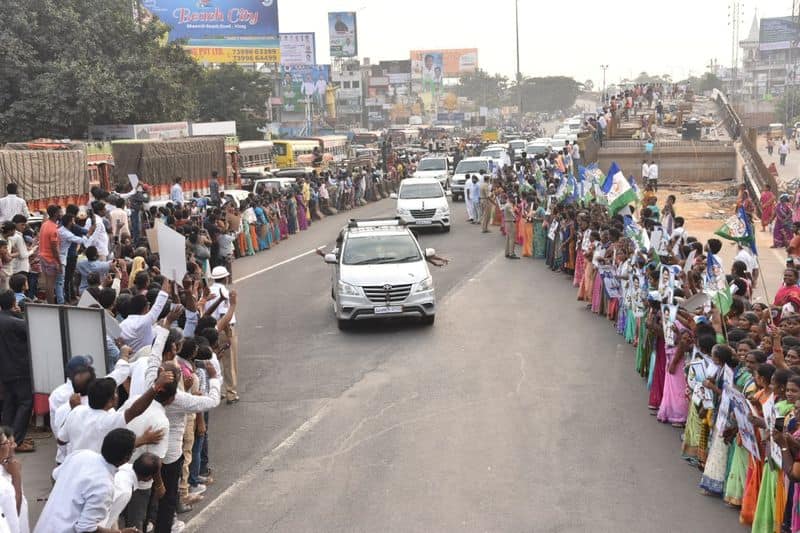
(446, 229)
(343, 324)
(428, 320)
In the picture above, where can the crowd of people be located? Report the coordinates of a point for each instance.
(133, 449)
(721, 367)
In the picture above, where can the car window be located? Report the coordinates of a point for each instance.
(420, 190)
(471, 166)
(432, 164)
(494, 154)
(380, 249)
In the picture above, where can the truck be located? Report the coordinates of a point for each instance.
(158, 162)
(46, 171)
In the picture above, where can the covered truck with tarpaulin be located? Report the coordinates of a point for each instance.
(158, 162)
(46, 171)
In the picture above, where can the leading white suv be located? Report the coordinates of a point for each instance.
(423, 202)
(380, 271)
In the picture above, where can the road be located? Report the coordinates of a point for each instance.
(517, 411)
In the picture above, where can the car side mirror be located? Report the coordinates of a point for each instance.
(448, 192)
(393, 196)
(430, 252)
(330, 259)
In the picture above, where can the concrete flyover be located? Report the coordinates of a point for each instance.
(687, 161)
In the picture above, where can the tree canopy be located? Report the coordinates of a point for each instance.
(68, 64)
(482, 88)
(546, 94)
(232, 93)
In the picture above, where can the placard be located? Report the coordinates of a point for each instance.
(172, 253)
(112, 326)
(134, 179)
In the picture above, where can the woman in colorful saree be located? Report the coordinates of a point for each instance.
(782, 232)
(768, 202)
(674, 404)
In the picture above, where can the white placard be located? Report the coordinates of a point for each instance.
(112, 326)
(134, 179)
(171, 253)
(47, 353)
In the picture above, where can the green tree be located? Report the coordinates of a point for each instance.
(67, 64)
(547, 94)
(232, 93)
(481, 88)
(709, 81)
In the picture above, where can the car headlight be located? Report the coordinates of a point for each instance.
(442, 210)
(425, 285)
(345, 289)
(403, 211)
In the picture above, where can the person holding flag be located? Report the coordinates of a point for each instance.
(618, 191)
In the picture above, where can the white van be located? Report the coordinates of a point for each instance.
(434, 166)
(423, 202)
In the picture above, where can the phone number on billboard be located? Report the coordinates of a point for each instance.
(237, 55)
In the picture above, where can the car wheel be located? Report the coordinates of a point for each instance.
(446, 229)
(428, 320)
(343, 324)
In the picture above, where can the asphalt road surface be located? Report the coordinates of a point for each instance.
(517, 411)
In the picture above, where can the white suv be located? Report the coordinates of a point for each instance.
(436, 167)
(380, 271)
(469, 165)
(423, 202)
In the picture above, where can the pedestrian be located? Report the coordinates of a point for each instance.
(783, 151)
(770, 145)
(13, 503)
(84, 487)
(15, 371)
(176, 193)
(11, 204)
(768, 203)
(213, 187)
(472, 198)
(510, 220)
(652, 175)
(485, 196)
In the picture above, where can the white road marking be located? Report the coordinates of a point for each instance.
(197, 522)
(276, 265)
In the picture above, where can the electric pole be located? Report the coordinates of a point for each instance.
(519, 74)
(603, 96)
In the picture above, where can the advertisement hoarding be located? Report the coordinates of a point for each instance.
(298, 49)
(343, 34)
(778, 30)
(452, 62)
(304, 83)
(206, 26)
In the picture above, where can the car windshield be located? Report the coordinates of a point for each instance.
(517, 144)
(380, 249)
(432, 164)
(471, 166)
(410, 190)
(494, 154)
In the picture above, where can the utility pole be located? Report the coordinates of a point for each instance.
(734, 18)
(519, 74)
(603, 96)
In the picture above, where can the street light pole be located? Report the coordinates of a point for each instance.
(519, 75)
(603, 96)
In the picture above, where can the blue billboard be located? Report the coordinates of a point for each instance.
(218, 22)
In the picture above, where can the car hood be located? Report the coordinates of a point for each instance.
(422, 203)
(396, 274)
(429, 173)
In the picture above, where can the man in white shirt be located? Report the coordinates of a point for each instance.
(84, 488)
(176, 193)
(118, 216)
(99, 238)
(601, 131)
(652, 175)
(137, 328)
(645, 171)
(221, 303)
(87, 425)
(11, 204)
(746, 256)
(127, 479)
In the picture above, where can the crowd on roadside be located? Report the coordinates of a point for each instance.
(133, 446)
(720, 366)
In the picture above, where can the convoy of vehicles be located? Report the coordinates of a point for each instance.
(380, 271)
(423, 202)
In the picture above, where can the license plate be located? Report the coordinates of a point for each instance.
(423, 222)
(385, 310)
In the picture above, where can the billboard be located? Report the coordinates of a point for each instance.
(343, 34)
(777, 33)
(298, 49)
(452, 62)
(221, 31)
(304, 83)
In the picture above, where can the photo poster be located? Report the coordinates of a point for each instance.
(770, 415)
(666, 284)
(172, 253)
(695, 378)
(669, 313)
(689, 261)
(714, 279)
(639, 296)
(741, 410)
(656, 237)
(610, 281)
(723, 411)
(304, 84)
(551, 233)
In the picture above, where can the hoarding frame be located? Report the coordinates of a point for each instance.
(338, 38)
(286, 58)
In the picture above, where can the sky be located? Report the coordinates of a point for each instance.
(676, 37)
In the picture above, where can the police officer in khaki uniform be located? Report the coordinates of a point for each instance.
(486, 206)
(510, 217)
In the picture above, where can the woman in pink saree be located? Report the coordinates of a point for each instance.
(768, 202)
